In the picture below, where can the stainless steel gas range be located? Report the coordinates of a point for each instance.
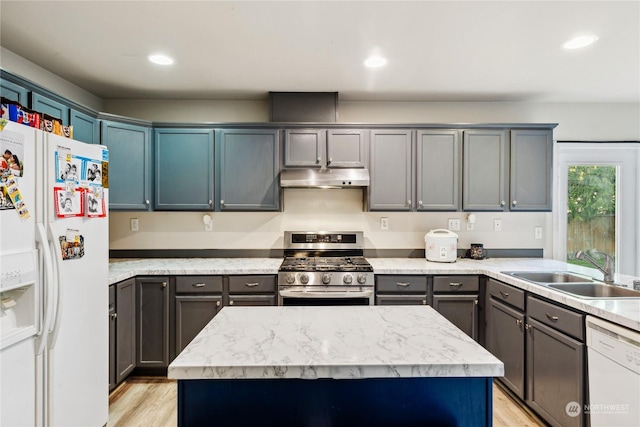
(325, 268)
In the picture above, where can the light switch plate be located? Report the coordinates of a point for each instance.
(134, 224)
(497, 224)
(538, 232)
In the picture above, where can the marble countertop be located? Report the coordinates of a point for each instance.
(622, 312)
(332, 342)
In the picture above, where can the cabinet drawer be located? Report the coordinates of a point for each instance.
(456, 284)
(562, 319)
(198, 284)
(252, 284)
(507, 294)
(401, 300)
(402, 284)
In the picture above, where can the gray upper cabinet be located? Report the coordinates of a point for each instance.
(248, 170)
(14, 92)
(531, 170)
(48, 106)
(305, 147)
(485, 164)
(333, 148)
(85, 127)
(184, 169)
(346, 148)
(129, 165)
(391, 186)
(438, 170)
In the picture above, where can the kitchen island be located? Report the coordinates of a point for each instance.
(334, 366)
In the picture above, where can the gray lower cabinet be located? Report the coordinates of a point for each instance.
(391, 170)
(152, 319)
(248, 166)
(401, 290)
(197, 300)
(555, 362)
(252, 290)
(456, 298)
(122, 321)
(505, 332)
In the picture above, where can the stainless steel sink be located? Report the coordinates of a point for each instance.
(545, 277)
(595, 290)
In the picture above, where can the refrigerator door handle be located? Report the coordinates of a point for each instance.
(47, 286)
(55, 326)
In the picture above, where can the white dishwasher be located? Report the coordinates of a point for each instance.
(613, 357)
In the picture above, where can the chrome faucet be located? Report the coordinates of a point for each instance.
(608, 264)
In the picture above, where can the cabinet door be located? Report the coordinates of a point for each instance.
(305, 147)
(85, 127)
(14, 92)
(555, 368)
(193, 312)
(505, 340)
(461, 310)
(183, 169)
(129, 166)
(531, 165)
(251, 300)
(485, 170)
(112, 337)
(346, 148)
(125, 329)
(391, 170)
(152, 336)
(249, 170)
(48, 106)
(438, 170)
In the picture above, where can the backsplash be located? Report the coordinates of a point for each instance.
(316, 209)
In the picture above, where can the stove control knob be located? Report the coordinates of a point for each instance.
(362, 278)
(290, 278)
(326, 278)
(347, 279)
(304, 278)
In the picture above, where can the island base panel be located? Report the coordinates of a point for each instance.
(335, 403)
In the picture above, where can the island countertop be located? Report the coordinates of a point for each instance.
(332, 342)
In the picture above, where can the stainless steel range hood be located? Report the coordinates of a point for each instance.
(324, 178)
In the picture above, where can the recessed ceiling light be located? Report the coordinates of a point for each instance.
(580, 41)
(375, 62)
(160, 59)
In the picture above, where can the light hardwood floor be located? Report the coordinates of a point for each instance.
(151, 401)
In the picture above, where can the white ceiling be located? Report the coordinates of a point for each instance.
(437, 50)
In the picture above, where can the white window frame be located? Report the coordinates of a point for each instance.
(626, 157)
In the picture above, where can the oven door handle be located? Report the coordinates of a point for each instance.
(329, 294)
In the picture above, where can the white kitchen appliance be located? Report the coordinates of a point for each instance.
(441, 245)
(54, 286)
(613, 355)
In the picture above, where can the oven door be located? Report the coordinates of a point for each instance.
(325, 295)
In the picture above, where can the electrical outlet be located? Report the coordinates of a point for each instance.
(134, 224)
(384, 223)
(538, 232)
(497, 224)
(454, 224)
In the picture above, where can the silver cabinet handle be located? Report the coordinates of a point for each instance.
(552, 318)
(504, 294)
(409, 202)
(455, 285)
(424, 302)
(403, 284)
(318, 160)
(230, 302)
(217, 303)
(329, 161)
(222, 202)
(527, 326)
(251, 285)
(113, 315)
(475, 302)
(502, 203)
(198, 285)
(164, 284)
(420, 203)
(146, 202)
(519, 322)
(514, 203)
(210, 202)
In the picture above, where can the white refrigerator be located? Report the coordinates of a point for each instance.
(54, 285)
